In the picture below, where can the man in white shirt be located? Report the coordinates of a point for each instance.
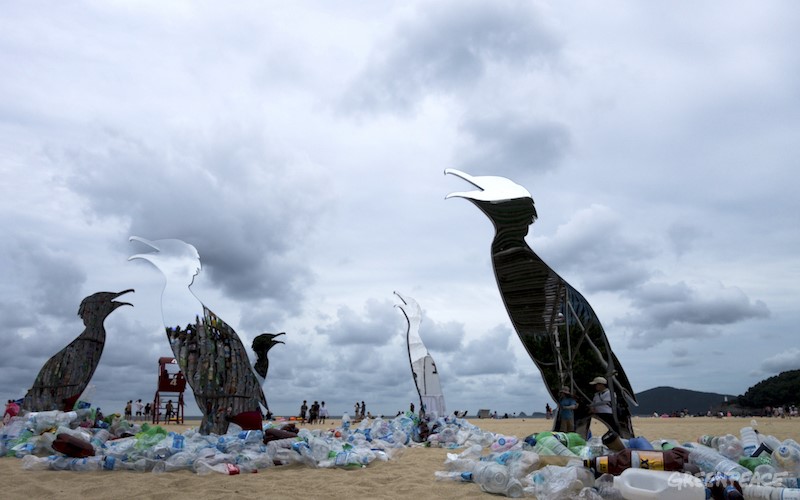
(600, 406)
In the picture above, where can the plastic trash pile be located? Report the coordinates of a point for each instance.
(122, 445)
(547, 465)
(556, 466)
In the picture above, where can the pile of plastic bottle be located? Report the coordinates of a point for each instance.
(122, 445)
(751, 466)
(547, 465)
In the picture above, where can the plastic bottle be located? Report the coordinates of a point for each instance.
(453, 475)
(496, 478)
(503, 443)
(32, 462)
(345, 422)
(710, 460)
(756, 492)
(203, 467)
(605, 488)
(641, 484)
(730, 446)
(670, 460)
(749, 440)
(549, 445)
(787, 458)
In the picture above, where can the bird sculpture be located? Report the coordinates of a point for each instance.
(423, 369)
(64, 377)
(261, 346)
(556, 324)
(209, 352)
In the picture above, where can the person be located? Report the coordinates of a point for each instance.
(303, 410)
(313, 413)
(548, 412)
(169, 409)
(600, 406)
(139, 408)
(12, 410)
(356, 410)
(566, 407)
(363, 410)
(98, 417)
(128, 409)
(147, 411)
(411, 407)
(323, 412)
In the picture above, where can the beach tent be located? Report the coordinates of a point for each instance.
(423, 368)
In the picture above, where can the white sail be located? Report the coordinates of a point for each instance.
(423, 368)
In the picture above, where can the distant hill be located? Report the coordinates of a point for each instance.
(670, 399)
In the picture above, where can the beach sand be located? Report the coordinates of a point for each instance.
(409, 475)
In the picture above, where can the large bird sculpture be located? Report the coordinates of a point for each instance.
(63, 378)
(555, 323)
(209, 352)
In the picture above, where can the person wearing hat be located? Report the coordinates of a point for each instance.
(566, 407)
(601, 402)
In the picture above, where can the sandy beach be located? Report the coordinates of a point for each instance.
(410, 475)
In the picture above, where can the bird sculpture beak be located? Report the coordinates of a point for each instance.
(279, 341)
(144, 256)
(491, 188)
(118, 304)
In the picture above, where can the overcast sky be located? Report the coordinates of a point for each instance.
(300, 148)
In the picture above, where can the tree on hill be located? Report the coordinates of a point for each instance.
(780, 390)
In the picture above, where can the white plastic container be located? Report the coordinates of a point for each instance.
(642, 484)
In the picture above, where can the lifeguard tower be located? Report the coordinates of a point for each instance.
(171, 385)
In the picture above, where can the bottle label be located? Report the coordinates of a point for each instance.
(653, 460)
(602, 465)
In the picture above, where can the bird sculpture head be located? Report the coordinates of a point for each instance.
(176, 259)
(498, 197)
(261, 346)
(98, 306)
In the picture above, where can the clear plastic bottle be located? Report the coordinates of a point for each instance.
(496, 478)
(345, 422)
(203, 467)
(710, 460)
(749, 440)
(453, 475)
(758, 492)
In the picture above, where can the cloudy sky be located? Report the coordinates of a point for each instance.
(301, 150)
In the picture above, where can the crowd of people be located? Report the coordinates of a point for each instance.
(316, 413)
(142, 410)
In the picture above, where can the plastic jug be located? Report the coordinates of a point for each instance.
(641, 484)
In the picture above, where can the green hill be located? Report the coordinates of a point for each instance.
(669, 399)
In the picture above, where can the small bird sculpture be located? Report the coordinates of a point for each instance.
(64, 377)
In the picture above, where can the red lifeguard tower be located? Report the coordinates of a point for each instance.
(171, 384)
